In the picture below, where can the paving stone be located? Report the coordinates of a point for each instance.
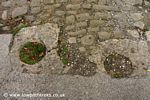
(57, 5)
(133, 33)
(61, 1)
(5, 66)
(20, 2)
(135, 50)
(87, 40)
(128, 8)
(81, 24)
(147, 3)
(80, 32)
(60, 13)
(74, 12)
(82, 49)
(122, 20)
(103, 2)
(30, 18)
(35, 10)
(83, 17)
(4, 15)
(5, 40)
(137, 16)
(118, 35)
(6, 28)
(56, 20)
(35, 2)
(45, 33)
(139, 24)
(148, 35)
(18, 11)
(133, 2)
(49, 8)
(146, 21)
(104, 35)
(48, 1)
(91, 30)
(70, 19)
(70, 27)
(96, 23)
(1, 25)
(72, 40)
(87, 6)
(92, 1)
(99, 15)
(76, 1)
(73, 7)
(8, 3)
(103, 7)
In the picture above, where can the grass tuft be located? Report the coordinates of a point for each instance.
(16, 29)
(32, 52)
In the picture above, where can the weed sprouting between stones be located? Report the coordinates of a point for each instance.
(16, 29)
(63, 53)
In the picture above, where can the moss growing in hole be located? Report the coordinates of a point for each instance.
(32, 52)
(63, 53)
(118, 66)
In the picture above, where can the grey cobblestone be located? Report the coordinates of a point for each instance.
(92, 1)
(83, 17)
(82, 49)
(99, 15)
(87, 40)
(76, 1)
(7, 3)
(91, 30)
(86, 6)
(57, 5)
(30, 18)
(73, 7)
(81, 24)
(4, 15)
(105, 2)
(133, 2)
(72, 40)
(61, 1)
(35, 2)
(70, 19)
(106, 8)
(48, 1)
(72, 12)
(60, 13)
(19, 11)
(104, 35)
(80, 32)
(96, 23)
(20, 2)
(35, 10)
(70, 27)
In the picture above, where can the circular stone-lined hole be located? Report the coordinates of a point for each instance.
(118, 66)
(32, 52)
